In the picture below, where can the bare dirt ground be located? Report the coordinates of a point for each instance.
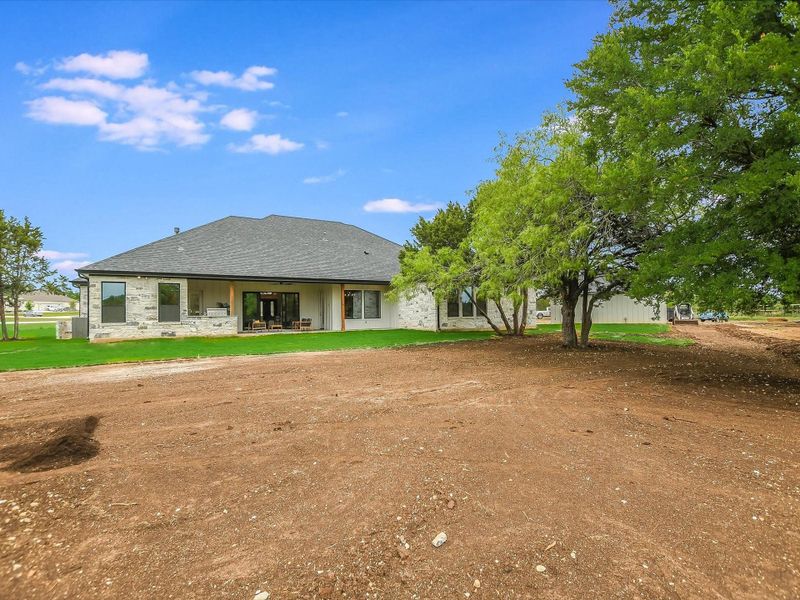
(620, 472)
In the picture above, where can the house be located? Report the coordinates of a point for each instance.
(618, 309)
(44, 302)
(240, 274)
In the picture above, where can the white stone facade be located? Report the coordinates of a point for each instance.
(479, 322)
(417, 312)
(141, 312)
(319, 302)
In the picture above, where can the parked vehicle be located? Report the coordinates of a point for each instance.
(713, 315)
(543, 314)
(32, 313)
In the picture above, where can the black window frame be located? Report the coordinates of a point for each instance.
(177, 306)
(104, 308)
(364, 303)
(354, 294)
(455, 305)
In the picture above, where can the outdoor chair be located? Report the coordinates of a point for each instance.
(258, 326)
(273, 326)
(305, 324)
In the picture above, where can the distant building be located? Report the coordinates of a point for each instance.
(44, 302)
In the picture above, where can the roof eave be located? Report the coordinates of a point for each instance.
(85, 273)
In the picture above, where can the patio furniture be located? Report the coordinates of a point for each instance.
(258, 326)
(305, 324)
(296, 325)
(273, 326)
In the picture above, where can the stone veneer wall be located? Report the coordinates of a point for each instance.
(479, 322)
(417, 312)
(141, 313)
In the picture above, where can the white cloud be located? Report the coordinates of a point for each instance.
(278, 104)
(147, 116)
(58, 255)
(240, 119)
(342, 114)
(66, 267)
(26, 69)
(325, 178)
(268, 144)
(249, 81)
(55, 109)
(395, 205)
(65, 262)
(95, 87)
(116, 64)
(322, 145)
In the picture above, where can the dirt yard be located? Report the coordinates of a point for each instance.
(620, 472)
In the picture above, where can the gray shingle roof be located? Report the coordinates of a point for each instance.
(274, 248)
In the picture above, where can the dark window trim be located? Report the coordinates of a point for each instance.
(158, 292)
(124, 285)
(354, 318)
(364, 304)
(457, 300)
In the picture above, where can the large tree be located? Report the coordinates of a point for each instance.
(22, 269)
(548, 222)
(692, 108)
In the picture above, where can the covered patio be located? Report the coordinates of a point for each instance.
(280, 306)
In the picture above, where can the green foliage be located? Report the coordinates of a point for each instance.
(692, 108)
(22, 270)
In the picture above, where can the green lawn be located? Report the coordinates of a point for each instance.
(39, 348)
(639, 333)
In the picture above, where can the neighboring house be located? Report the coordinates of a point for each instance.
(43, 302)
(226, 276)
(617, 309)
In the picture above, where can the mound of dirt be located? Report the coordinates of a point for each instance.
(68, 443)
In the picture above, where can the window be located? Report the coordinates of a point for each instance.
(467, 310)
(481, 304)
(372, 304)
(452, 307)
(352, 304)
(112, 302)
(462, 306)
(169, 302)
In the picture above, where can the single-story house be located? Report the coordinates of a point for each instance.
(44, 302)
(277, 273)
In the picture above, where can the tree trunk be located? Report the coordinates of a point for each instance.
(503, 315)
(16, 318)
(586, 318)
(569, 299)
(516, 318)
(569, 337)
(3, 325)
(484, 315)
(524, 321)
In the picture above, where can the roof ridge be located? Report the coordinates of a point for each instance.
(337, 222)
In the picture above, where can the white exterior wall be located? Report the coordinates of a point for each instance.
(141, 312)
(618, 309)
(480, 322)
(417, 312)
(389, 310)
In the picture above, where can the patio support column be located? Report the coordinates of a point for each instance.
(232, 299)
(342, 303)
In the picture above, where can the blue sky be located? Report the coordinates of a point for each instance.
(121, 121)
